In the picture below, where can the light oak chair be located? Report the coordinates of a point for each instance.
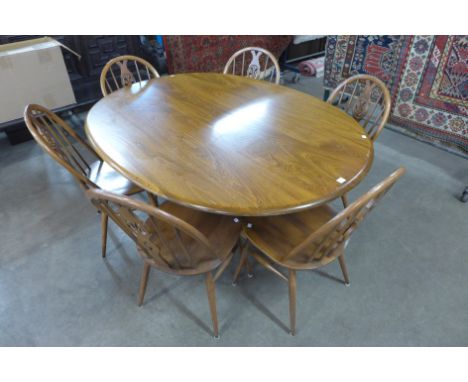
(259, 64)
(174, 239)
(309, 239)
(367, 100)
(67, 148)
(124, 71)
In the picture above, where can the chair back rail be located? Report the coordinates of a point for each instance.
(60, 141)
(366, 99)
(254, 62)
(124, 71)
(166, 239)
(320, 246)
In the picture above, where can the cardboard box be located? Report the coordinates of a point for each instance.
(32, 71)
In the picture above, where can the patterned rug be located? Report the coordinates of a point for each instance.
(210, 53)
(426, 75)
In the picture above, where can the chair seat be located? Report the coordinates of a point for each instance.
(106, 178)
(277, 236)
(220, 230)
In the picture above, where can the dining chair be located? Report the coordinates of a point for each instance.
(124, 71)
(67, 148)
(174, 239)
(309, 239)
(251, 66)
(367, 100)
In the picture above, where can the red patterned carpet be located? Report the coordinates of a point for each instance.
(210, 53)
(427, 77)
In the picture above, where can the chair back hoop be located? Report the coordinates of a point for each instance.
(164, 238)
(321, 244)
(254, 62)
(124, 71)
(60, 141)
(366, 99)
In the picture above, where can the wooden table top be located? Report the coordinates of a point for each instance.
(230, 144)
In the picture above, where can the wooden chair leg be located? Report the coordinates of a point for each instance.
(210, 289)
(243, 259)
(153, 199)
(344, 199)
(143, 283)
(104, 219)
(344, 269)
(249, 267)
(292, 300)
(238, 269)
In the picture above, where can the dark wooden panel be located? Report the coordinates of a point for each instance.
(97, 50)
(72, 62)
(306, 49)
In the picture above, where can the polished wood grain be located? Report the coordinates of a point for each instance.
(230, 144)
(124, 71)
(254, 62)
(310, 239)
(174, 239)
(67, 148)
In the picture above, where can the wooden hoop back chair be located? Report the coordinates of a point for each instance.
(124, 71)
(367, 100)
(174, 239)
(259, 64)
(310, 239)
(73, 153)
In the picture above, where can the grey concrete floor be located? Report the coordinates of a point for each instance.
(408, 264)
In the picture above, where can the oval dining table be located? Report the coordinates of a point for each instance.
(229, 144)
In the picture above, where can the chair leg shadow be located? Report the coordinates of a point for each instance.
(119, 247)
(328, 276)
(162, 289)
(121, 283)
(229, 318)
(263, 309)
(188, 313)
(166, 290)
